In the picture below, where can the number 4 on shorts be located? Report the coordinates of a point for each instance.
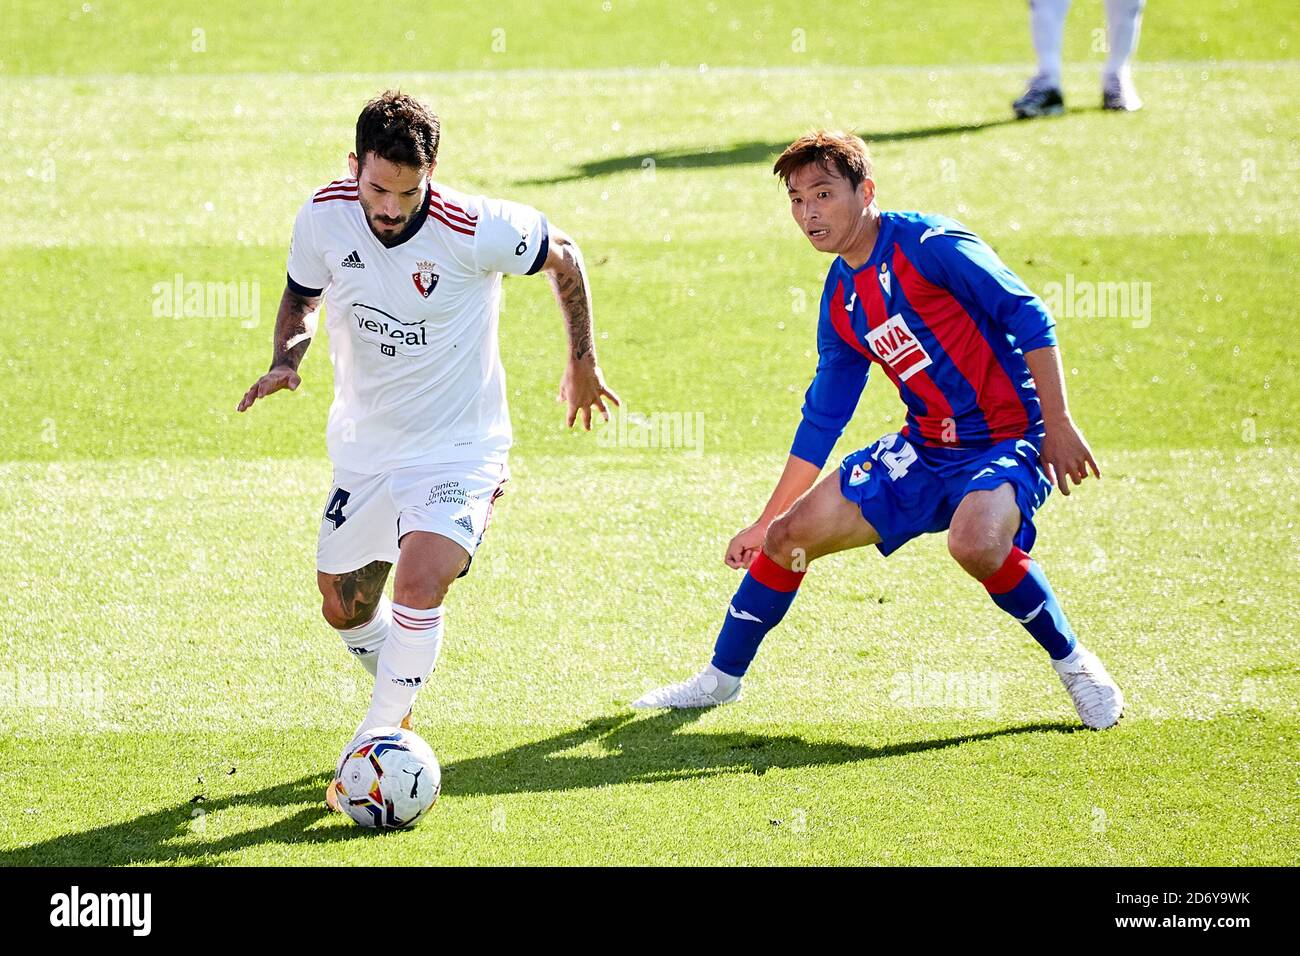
(334, 510)
(896, 461)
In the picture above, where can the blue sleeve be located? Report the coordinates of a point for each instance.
(832, 398)
(962, 263)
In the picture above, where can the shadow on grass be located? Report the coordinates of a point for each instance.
(743, 153)
(181, 833)
(651, 751)
(643, 751)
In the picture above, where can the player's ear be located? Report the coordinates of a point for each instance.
(868, 188)
(353, 165)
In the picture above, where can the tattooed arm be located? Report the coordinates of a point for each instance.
(582, 385)
(295, 324)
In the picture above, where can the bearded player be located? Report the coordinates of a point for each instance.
(419, 431)
(973, 354)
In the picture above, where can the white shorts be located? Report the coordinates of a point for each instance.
(366, 515)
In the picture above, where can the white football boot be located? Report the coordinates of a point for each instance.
(1096, 696)
(709, 688)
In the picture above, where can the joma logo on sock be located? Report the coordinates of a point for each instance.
(103, 909)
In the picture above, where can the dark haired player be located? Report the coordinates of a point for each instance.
(419, 430)
(973, 354)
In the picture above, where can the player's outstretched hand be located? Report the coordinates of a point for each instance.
(582, 386)
(744, 547)
(1066, 455)
(279, 377)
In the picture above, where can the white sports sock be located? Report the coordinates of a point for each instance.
(406, 660)
(1123, 23)
(365, 641)
(1047, 26)
(726, 682)
(1070, 659)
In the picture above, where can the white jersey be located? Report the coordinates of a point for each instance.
(413, 328)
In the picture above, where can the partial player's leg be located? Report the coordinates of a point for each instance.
(1042, 97)
(442, 513)
(353, 604)
(402, 639)
(354, 551)
(1123, 24)
(428, 565)
(822, 522)
(354, 554)
(981, 538)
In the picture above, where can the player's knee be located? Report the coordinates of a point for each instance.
(421, 594)
(341, 618)
(979, 554)
(782, 543)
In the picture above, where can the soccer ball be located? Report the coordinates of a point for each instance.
(388, 778)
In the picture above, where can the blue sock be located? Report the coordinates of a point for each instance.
(758, 606)
(1020, 588)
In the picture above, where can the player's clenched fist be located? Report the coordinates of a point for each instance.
(744, 547)
(279, 377)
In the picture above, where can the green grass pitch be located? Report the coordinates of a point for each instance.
(168, 691)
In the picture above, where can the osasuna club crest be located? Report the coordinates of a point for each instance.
(425, 278)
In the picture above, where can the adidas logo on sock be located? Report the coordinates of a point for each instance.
(353, 261)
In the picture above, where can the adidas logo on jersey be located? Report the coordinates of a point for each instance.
(353, 261)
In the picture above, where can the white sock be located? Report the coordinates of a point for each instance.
(1047, 26)
(365, 641)
(1123, 24)
(406, 660)
(1070, 659)
(726, 682)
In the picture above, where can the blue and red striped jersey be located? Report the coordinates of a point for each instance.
(948, 322)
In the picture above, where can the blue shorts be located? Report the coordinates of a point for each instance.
(906, 490)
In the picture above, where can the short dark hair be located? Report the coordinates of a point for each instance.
(826, 148)
(398, 128)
